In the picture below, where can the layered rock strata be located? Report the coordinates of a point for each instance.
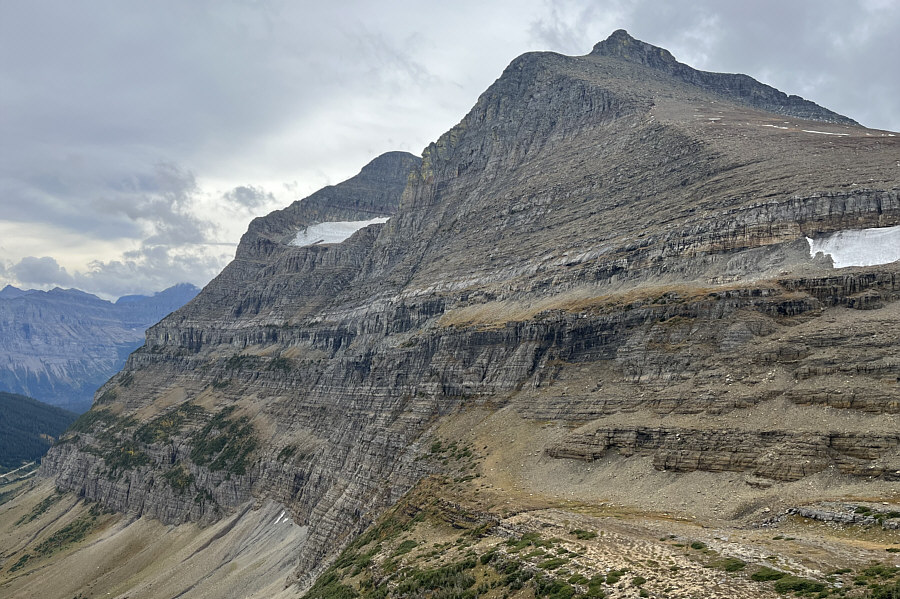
(601, 236)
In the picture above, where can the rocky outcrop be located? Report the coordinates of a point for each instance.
(847, 514)
(775, 454)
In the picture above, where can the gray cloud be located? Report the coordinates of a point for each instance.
(248, 196)
(41, 272)
(162, 203)
(139, 271)
(150, 268)
(138, 136)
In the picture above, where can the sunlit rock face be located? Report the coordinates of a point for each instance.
(861, 247)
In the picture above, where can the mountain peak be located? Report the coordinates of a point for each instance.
(622, 45)
(9, 292)
(736, 87)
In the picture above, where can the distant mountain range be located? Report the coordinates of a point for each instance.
(28, 428)
(59, 346)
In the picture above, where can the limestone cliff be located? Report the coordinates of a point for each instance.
(612, 242)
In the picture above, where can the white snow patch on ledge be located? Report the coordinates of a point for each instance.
(861, 247)
(333, 232)
(823, 132)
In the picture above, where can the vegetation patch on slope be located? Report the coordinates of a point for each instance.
(225, 443)
(162, 428)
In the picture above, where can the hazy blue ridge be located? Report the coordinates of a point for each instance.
(59, 346)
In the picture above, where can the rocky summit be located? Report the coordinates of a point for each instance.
(589, 353)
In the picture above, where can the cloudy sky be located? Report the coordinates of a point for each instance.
(137, 139)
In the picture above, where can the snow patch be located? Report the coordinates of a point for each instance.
(775, 127)
(859, 247)
(332, 232)
(823, 132)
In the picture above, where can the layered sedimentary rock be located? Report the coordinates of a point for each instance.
(606, 236)
(775, 454)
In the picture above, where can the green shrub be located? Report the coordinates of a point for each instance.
(238, 361)
(179, 478)
(163, 427)
(613, 576)
(92, 418)
(126, 456)
(595, 588)
(73, 532)
(553, 588)
(328, 586)
(20, 563)
(224, 443)
(729, 564)
(879, 571)
(553, 563)
(282, 364)
(452, 576)
(286, 453)
(40, 508)
(405, 547)
(790, 583)
(698, 545)
(889, 591)
(765, 574)
(528, 540)
(107, 396)
(584, 535)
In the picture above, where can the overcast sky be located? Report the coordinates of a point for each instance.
(138, 139)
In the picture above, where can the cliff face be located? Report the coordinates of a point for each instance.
(59, 346)
(613, 242)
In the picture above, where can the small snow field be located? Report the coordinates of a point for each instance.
(863, 247)
(823, 132)
(332, 232)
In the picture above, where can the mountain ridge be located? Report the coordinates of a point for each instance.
(596, 288)
(62, 344)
